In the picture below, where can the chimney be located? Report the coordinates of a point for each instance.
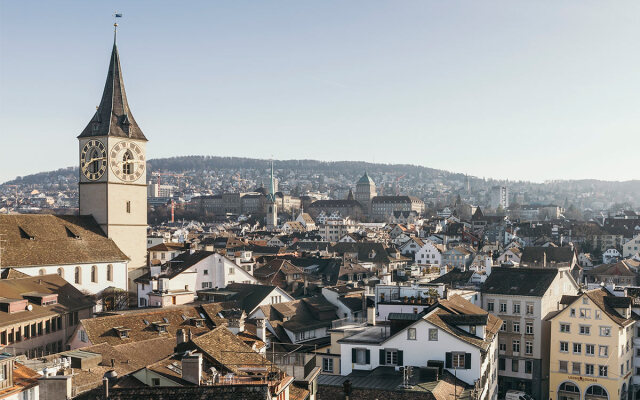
(189, 337)
(192, 368)
(261, 329)
(181, 337)
(105, 387)
(371, 315)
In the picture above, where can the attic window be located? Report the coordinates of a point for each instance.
(161, 327)
(197, 322)
(184, 317)
(165, 320)
(145, 321)
(122, 332)
(25, 235)
(71, 233)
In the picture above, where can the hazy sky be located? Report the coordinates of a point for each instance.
(530, 90)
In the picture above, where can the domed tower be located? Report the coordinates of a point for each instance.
(365, 192)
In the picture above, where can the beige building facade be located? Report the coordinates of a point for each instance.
(591, 347)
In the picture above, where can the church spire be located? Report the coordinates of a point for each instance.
(113, 116)
(272, 190)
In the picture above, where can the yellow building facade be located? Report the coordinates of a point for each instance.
(591, 346)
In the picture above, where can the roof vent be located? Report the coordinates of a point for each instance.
(25, 235)
(71, 233)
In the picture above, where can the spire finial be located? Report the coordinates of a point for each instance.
(116, 15)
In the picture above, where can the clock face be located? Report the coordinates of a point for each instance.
(93, 160)
(127, 161)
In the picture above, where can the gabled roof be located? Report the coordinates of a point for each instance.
(618, 269)
(113, 116)
(607, 303)
(519, 281)
(229, 351)
(44, 239)
(167, 247)
(367, 251)
(249, 295)
(183, 261)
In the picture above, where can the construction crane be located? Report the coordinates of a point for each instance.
(158, 176)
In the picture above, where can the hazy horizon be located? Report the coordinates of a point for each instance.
(516, 90)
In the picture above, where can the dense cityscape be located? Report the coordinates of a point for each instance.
(202, 277)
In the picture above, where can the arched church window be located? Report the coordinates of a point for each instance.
(41, 272)
(127, 163)
(60, 272)
(77, 276)
(94, 274)
(109, 272)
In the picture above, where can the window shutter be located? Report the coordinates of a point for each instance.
(467, 360)
(448, 360)
(368, 356)
(354, 356)
(400, 361)
(382, 357)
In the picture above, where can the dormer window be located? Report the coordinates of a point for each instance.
(161, 327)
(122, 332)
(197, 322)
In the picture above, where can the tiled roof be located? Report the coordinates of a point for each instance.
(43, 239)
(617, 269)
(229, 351)
(23, 379)
(519, 281)
(167, 247)
(100, 330)
(69, 298)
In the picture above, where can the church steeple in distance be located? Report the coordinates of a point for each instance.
(113, 116)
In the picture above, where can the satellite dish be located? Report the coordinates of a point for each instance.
(29, 307)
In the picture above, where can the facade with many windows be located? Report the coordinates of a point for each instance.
(592, 347)
(523, 298)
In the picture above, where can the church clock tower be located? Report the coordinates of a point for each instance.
(113, 183)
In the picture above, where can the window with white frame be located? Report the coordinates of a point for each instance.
(327, 364)
(411, 334)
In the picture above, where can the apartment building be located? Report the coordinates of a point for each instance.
(523, 298)
(591, 355)
(38, 315)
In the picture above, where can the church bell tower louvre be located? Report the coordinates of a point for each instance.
(112, 160)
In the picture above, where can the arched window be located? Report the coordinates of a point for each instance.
(94, 274)
(109, 272)
(596, 392)
(60, 272)
(127, 163)
(77, 276)
(568, 391)
(41, 272)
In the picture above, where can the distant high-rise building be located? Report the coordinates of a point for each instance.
(499, 197)
(365, 192)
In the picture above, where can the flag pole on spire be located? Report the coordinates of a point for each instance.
(116, 15)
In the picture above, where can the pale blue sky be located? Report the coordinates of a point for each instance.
(530, 90)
